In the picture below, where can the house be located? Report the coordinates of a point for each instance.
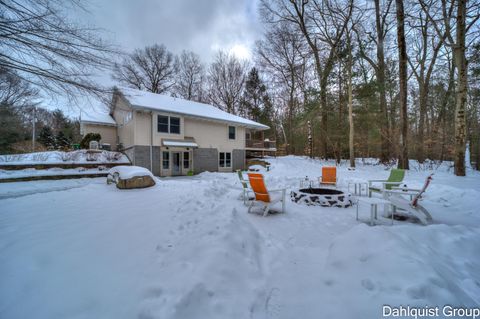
(172, 136)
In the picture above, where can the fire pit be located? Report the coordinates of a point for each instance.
(321, 197)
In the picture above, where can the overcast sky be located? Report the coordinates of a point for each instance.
(202, 26)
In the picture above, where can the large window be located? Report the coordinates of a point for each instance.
(174, 125)
(231, 132)
(186, 160)
(162, 124)
(168, 124)
(225, 159)
(165, 160)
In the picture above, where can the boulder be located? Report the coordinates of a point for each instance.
(135, 182)
(128, 177)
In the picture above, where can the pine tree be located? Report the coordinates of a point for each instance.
(46, 137)
(61, 141)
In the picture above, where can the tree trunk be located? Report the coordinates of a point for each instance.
(384, 127)
(402, 66)
(350, 105)
(423, 98)
(461, 90)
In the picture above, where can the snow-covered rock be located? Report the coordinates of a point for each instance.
(128, 177)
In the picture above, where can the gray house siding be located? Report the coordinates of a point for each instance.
(238, 157)
(205, 159)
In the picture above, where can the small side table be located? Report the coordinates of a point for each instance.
(358, 188)
(305, 183)
(373, 202)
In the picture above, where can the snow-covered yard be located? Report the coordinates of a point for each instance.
(186, 248)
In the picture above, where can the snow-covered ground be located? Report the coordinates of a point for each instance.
(59, 157)
(186, 248)
(54, 171)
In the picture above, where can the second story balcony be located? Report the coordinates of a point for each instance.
(260, 145)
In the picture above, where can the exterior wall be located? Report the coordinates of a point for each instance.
(238, 158)
(108, 133)
(141, 157)
(205, 159)
(214, 135)
(125, 129)
(143, 127)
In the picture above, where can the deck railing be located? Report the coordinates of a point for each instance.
(259, 144)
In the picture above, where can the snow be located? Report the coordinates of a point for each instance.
(58, 157)
(180, 143)
(165, 103)
(126, 172)
(187, 248)
(54, 171)
(95, 116)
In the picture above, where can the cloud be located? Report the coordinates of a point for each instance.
(202, 26)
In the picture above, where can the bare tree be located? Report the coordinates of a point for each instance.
(14, 91)
(467, 14)
(49, 51)
(151, 68)
(402, 75)
(424, 50)
(226, 79)
(281, 55)
(322, 24)
(190, 76)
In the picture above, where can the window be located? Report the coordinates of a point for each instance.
(128, 117)
(165, 160)
(225, 159)
(174, 125)
(162, 124)
(186, 159)
(247, 136)
(166, 124)
(231, 132)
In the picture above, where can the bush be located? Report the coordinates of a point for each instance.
(88, 138)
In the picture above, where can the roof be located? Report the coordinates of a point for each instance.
(97, 117)
(165, 103)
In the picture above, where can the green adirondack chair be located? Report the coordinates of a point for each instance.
(244, 185)
(395, 179)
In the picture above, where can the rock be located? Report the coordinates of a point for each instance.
(135, 182)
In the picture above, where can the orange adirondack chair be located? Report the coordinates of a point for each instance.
(263, 196)
(329, 176)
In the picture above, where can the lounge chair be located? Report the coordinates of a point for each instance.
(329, 176)
(264, 197)
(245, 187)
(395, 179)
(412, 207)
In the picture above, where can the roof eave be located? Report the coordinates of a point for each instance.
(259, 127)
(97, 123)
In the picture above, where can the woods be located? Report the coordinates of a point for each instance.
(394, 80)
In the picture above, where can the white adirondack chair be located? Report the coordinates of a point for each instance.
(396, 196)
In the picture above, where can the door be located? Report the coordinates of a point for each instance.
(176, 168)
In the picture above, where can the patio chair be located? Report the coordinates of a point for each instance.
(329, 176)
(264, 197)
(395, 179)
(412, 207)
(245, 187)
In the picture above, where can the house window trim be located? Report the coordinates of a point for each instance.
(167, 160)
(187, 161)
(234, 132)
(225, 160)
(169, 124)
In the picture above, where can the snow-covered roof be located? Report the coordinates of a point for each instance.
(97, 117)
(179, 143)
(165, 103)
